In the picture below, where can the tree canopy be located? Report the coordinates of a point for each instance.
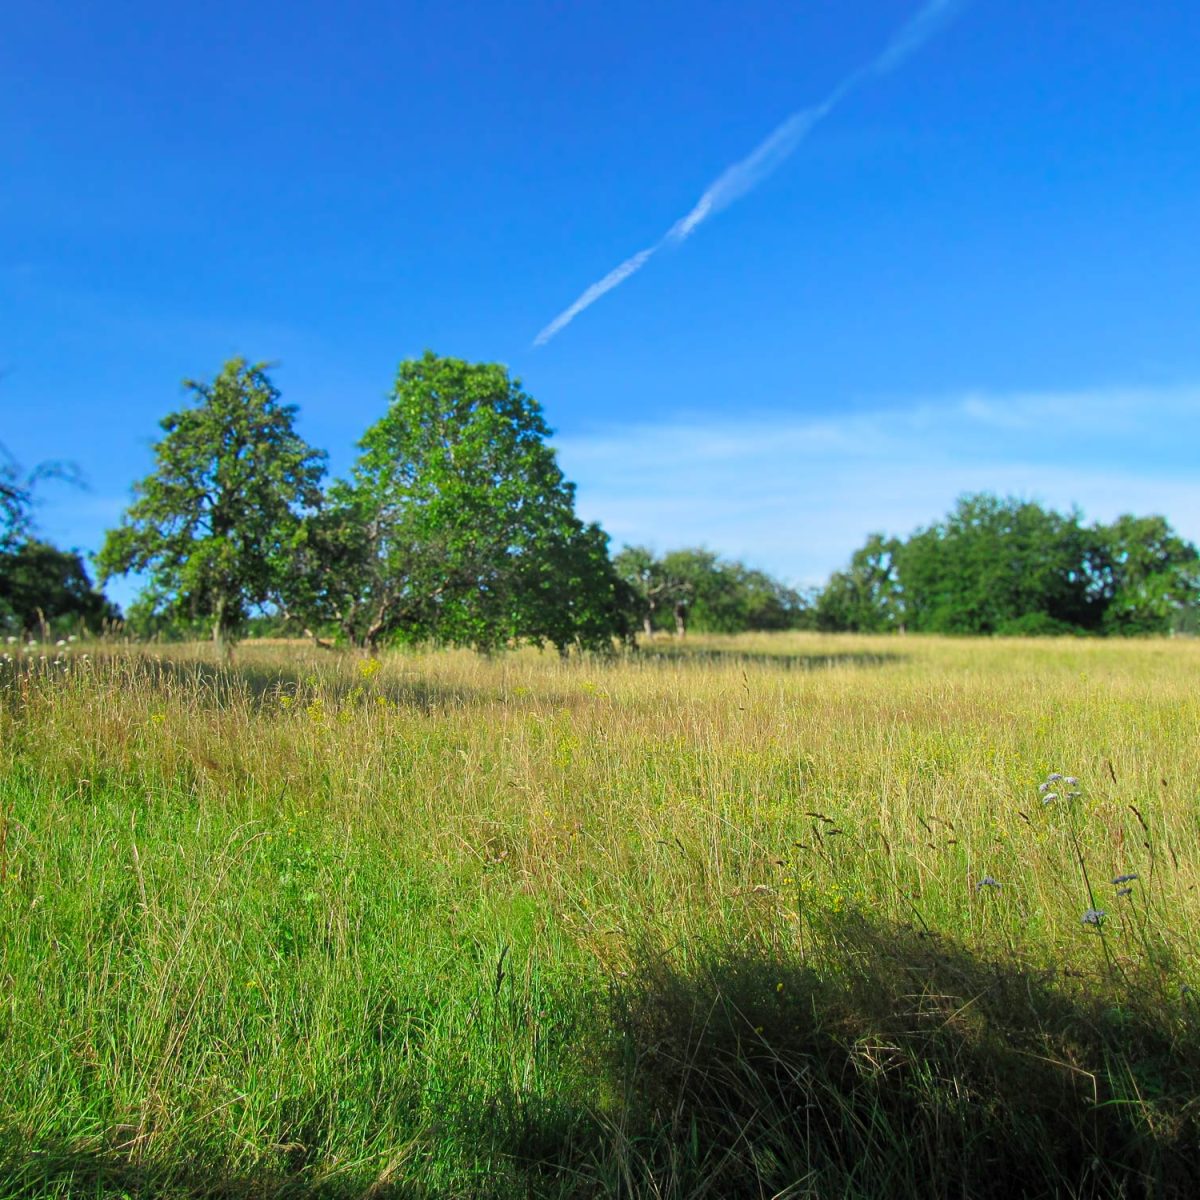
(1010, 566)
(18, 491)
(214, 524)
(41, 585)
(457, 525)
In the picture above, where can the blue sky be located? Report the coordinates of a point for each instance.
(979, 270)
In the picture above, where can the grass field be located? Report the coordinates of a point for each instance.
(754, 916)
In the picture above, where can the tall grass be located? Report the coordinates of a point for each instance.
(764, 915)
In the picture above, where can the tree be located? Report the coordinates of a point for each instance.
(456, 525)
(214, 524)
(766, 603)
(865, 597)
(42, 585)
(1000, 566)
(1011, 566)
(18, 492)
(1147, 574)
(16, 500)
(698, 588)
(647, 581)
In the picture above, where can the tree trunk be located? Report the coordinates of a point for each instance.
(648, 625)
(222, 642)
(373, 633)
(680, 618)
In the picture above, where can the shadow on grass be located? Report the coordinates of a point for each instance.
(905, 1067)
(707, 656)
(220, 685)
(109, 1175)
(916, 1068)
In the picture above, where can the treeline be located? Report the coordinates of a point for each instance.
(696, 589)
(1011, 567)
(455, 525)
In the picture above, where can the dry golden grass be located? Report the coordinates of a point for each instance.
(217, 879)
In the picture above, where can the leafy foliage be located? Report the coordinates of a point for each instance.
(40, 584)
(1013, 567)
(1149, 576)
(457, 526)
(18, 492)
(866, 596)
(696, 588)
(214, 524)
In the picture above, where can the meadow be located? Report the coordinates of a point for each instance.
(766, 915)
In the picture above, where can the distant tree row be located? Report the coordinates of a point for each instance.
(1006, 566)
(698, 590)
(455, 525)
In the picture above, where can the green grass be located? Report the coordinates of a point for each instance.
(706, 921)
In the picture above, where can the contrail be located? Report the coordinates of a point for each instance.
(746, 174)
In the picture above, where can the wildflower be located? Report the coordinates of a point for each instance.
(1053, 777)
(1049, 796)
(1126, 878)
(61, 642)
(1125, 891)
(1094, 916)
(988, 881)
(1070, 779)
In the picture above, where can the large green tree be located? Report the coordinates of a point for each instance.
(1000, 565)
(213, 526)
(457, 525)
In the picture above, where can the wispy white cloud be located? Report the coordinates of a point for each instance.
(798, 495)
(615, 276)
(746, 174)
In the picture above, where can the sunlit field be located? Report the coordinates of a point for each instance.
(751, 916)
